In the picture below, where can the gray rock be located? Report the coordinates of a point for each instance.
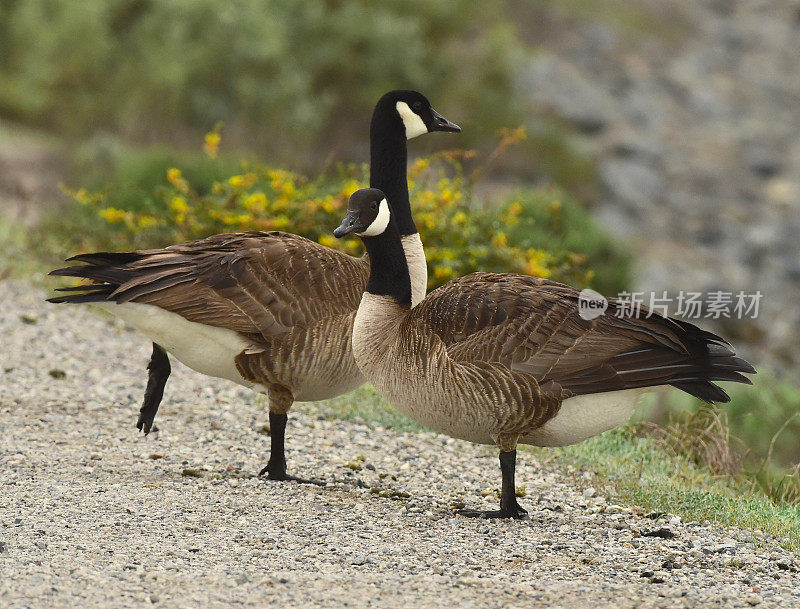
(697, 140)
(636, 184)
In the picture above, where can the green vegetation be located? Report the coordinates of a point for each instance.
(763, 423)
(151, 198)
(295, 81)
(642, 471)
(281, 74)
(367, 406)
(551, 220)
(756, 414)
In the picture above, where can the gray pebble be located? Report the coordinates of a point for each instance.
(195, 527)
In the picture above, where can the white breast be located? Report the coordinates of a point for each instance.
(207, 349)
(586, 416)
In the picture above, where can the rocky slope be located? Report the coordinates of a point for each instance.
(692, 110)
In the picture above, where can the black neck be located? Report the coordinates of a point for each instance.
(388, 161)
(388, 269)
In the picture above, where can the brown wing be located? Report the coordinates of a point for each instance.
(257, 283)
(533, 326)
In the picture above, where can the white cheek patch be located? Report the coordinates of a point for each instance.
(414, 124)
(380, 222)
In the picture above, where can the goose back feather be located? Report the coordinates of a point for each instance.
(286, 297)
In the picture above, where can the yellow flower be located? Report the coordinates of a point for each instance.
(500, 240)
(326, 240)
(536, 263)
(242, 182)
(281, 222)
(211, 145)
(175, 178)
(426, 198)
(231, 219)
(256, 202)
(82, 197)
(330, 205)
(288, 189)
(514, 209)
(442, 272)
(179, 205)
(275, 180)
(459, 218)
(112, 214)
(427, 219)
(350, 186)
(147, 221)
(420, 165)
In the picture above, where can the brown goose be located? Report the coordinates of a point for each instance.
(498, 358)
(271, 311)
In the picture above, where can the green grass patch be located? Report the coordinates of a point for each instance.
(366, 405)
(640, 471)
(764, 417)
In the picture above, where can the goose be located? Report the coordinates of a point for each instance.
(271, 311)
(506, 359)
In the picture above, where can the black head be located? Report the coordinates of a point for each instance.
(368, 214)
(415, 112)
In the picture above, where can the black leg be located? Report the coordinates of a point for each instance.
(276, 466)
(509, 508)
(158, 373)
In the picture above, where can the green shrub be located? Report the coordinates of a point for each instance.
(760, 428)
(157, 198)
(281, 74)
(756, 414)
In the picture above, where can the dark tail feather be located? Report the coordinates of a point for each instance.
(693, 364)
(106, 269)
(93, 292)
(706, 391)
(103, 274)
(715, 360)
(106, 258)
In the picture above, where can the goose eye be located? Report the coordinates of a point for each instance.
(373, 205)
(416, 106)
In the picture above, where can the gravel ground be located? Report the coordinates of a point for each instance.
(94, 514)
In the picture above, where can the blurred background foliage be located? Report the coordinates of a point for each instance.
(154, 197)
(282, 75)
(294, 81)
